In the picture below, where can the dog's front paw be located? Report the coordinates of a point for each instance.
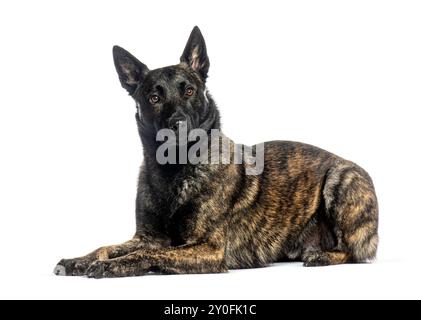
(101, 269)
(72, 267)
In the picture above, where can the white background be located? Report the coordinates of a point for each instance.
(342, 75)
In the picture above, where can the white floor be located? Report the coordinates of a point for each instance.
(381, 280)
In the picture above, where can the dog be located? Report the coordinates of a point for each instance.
(306, 204)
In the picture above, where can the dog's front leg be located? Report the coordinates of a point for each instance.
(78, 266)
(203, 258)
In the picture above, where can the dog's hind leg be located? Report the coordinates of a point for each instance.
(324, 258)
(351, 208)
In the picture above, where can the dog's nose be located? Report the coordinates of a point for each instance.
(175, 123)
(176, 126)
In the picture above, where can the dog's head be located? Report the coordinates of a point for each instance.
(167, 96)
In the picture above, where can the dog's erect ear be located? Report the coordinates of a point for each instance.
(195, 54)
(130, 70)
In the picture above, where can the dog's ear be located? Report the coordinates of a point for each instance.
(130, 70)
(195, 55)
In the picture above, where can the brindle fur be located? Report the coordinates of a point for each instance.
(307, 205)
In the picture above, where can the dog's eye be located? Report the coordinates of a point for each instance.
(153, 99)
(189, 91)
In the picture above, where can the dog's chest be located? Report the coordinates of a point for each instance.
(181, 224)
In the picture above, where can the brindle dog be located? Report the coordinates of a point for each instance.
(307, 204)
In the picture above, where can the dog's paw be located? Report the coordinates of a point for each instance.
(102, 269)
(71, 267)
(60, 270)
(316, 259)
